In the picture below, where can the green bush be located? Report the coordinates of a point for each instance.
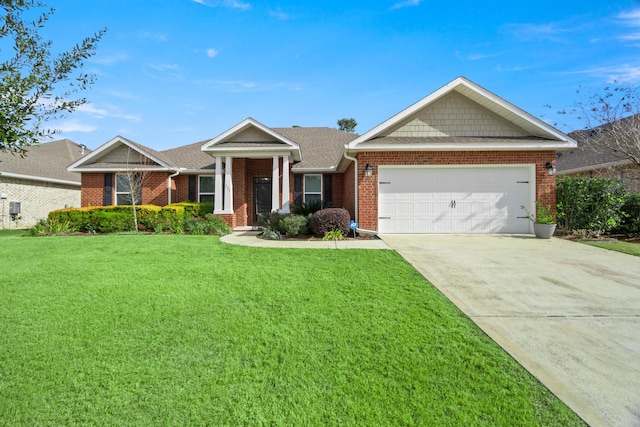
(306, 209)
(293, 225)
(51, 228)
(327, 220)
(210, 224)
(589, 204)
(630, 222)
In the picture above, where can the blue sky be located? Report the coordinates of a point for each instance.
(175, 72)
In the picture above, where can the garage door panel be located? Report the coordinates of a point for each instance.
(453, 200)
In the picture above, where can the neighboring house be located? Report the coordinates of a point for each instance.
(39, 181)
(461, 160)
(598, 162)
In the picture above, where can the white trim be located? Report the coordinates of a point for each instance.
(210, 146)
(597, 167)
(217, 197)
(228, 185)
(286, 204)
(39, 179)
(478, 146)
(450, 87)
(108, 146)
(275, 185)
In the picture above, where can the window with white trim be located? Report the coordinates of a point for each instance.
(312, 188)
(123, 189)
(206, 188)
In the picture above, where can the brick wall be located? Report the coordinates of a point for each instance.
(368, 189)
(92, 189)
(154, 191)
(36, 199)
(348, 190)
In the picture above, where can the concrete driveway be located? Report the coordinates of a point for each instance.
(568, 312)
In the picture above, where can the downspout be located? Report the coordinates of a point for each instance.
(355, 161)
(169, 185)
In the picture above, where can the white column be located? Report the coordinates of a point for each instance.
(285, 184)
(228, 185)
(275, 185)
(218, 205)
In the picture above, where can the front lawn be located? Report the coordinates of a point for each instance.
(185, 330)
(624, 247)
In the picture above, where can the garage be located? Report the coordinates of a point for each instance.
(454, 199)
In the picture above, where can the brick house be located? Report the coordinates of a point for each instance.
(461, 160)
(39, 181)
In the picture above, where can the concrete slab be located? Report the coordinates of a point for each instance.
(248, 238)
(568, 312)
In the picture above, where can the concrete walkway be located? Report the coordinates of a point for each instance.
(248, 238)
(568, 312)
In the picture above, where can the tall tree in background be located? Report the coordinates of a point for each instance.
(611, 119)
(35, 85)
(347, 125)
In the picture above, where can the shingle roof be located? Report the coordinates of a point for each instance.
(321, 147)
(585, 157)
(452, 140)
(191, 156)
(47, 160)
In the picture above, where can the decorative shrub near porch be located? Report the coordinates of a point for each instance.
(330, 219)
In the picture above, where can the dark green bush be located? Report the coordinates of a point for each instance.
(326, 220)
(293, 225)
(589, 204)
(306, 209)
(630, 223)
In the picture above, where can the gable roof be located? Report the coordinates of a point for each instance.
(251, 138)
(321, 147)
(510, 127)
(111, 157)
(46, 162)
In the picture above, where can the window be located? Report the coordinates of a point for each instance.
(206, 188)
(123, 189)
(312, 188)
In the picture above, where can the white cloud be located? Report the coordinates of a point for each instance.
(625, 73)
(212, 52)
(406, 3)
(109, 111)
(156, 36)
(477, 56)
(631, 17)
(75, 126)
(109, 59)
(123, 95)
(164, 67)
(234, 4)
(279, 14)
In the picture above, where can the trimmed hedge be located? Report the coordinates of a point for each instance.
(630, 223)
(110, 219)
(330, 219)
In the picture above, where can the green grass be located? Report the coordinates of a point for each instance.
(624, 247)
(13, 232)
(185, 330)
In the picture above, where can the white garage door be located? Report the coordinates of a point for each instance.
(454, 199)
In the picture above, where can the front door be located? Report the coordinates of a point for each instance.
(261, 197)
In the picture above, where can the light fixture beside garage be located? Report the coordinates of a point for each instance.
(368, 170)
(551, 168)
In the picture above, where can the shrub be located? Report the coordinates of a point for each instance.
(293, 225)
(271, 234)
(270, 220)
(51, 228)
(589, 204)
(310, 208)
(210, 224)
(333, 235)
(326, 220)
(630, 222)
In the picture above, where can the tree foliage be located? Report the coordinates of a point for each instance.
(347, 125)
(590, 204)
(36, 85)
(611, 121)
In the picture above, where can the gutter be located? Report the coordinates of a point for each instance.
(40, 179)
(355, 161)
(169, 184)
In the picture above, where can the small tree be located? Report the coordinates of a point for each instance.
(135, 177)
(611, 120)
(32, 80)
(347, 125)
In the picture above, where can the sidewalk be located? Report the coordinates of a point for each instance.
(248, 238)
